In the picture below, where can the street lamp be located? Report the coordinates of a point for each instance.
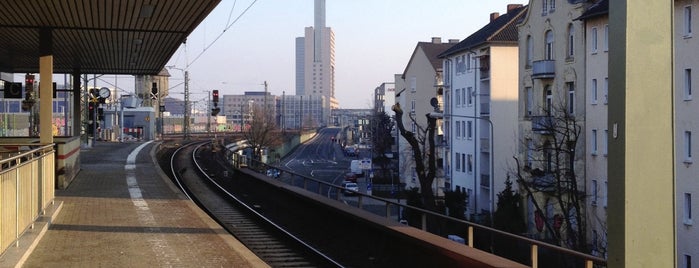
(492, 157)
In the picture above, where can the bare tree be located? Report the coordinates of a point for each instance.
(548, 176)
(262, 131)
(423, 148)
(381, 139)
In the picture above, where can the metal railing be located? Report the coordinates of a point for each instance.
(27, 183)
(477, 236)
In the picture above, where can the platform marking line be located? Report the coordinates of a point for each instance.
(164, 253)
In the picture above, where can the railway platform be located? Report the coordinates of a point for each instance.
(123, 211)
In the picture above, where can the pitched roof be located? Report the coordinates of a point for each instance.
(597, 9)
(501, 30)
(432, 51)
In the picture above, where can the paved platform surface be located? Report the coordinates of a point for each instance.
(122, 211)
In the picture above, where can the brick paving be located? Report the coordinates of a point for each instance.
(119, 215)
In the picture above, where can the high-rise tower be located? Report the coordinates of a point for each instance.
(315, 63)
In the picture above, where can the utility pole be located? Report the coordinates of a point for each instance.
(208, 108)
(186, 105)
(265, 102)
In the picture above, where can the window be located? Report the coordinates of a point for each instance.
(571, 41)
(688, 21)
(605, 142)
(463, 162)
(606, 37)
(458, 162)
(549, 45)
(469, 96)
(688, 146)
(605, 192)
(593, 40)
(468, 62)
(687, 84)
(463, 127)
(688, 209)
(549, 99)
(412, 106)
(552, 5)
(470, 163)
(529, 48)
(530, 152)
(606, 90)
(593, 142)
(458, 97)
(413, 127)
(544, 8)
(469, 130)
(458, 129)
(413, 83)
(529, 101)
(571, 98)
(593, 91)
(593, 192)
(687, 261)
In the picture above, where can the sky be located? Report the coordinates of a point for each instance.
(374, 40)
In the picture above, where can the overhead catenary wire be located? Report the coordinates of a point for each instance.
(222, 32)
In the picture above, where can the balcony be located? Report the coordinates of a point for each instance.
(544, 69)
(542, 124)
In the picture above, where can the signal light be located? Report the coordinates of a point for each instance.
(215, 111)
(214, 95)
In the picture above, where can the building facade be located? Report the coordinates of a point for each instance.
(480, 110)
(420, 81)
(552, 131)
(315, 62)
(596, 21)
(686, 127)
(239, 109)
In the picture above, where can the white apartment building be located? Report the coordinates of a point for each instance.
(419, 87)
(480, 110)
(596, 21)
(686, 129)
(552, 119)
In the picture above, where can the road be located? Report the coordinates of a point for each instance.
(320, 158)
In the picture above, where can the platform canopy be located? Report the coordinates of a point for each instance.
(96, 36)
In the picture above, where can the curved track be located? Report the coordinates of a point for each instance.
(273, 244)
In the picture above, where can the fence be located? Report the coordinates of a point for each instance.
(511, 246)
(27, 179)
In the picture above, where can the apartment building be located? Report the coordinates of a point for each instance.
(596, 21)
(686, 129)
(480, 110)
(552, 121)
(419, 80)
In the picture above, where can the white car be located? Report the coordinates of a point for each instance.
(350, 188)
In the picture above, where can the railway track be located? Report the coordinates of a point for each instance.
(271, 242)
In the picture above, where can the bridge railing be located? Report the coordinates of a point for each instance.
(515, 247)
(27, 183)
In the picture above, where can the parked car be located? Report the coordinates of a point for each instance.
(351, 188)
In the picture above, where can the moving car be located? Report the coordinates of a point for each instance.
(351, 188)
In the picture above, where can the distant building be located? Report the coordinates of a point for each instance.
(385, 97)
(480, 96)
(419, 82)
(298, 112)
(315, 63)
(238, 109)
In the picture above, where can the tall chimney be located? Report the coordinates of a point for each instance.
(511, 7)
(436, 40)
(494, 16)
(453, 41)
